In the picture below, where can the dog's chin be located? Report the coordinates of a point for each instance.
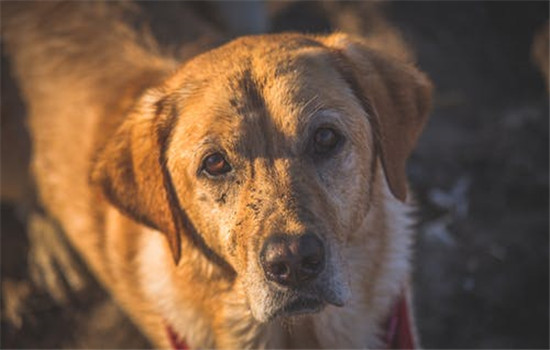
(290, 306)
(298, 306)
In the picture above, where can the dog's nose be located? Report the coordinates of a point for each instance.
(292, 260)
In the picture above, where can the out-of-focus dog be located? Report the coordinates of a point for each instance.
(253, 195)
(540, 51)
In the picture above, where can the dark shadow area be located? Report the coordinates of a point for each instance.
(481, 175)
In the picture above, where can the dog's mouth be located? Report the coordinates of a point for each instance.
(284, 303)
(300, 306)
(295, 304)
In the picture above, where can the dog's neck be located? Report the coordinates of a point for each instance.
(399, 332)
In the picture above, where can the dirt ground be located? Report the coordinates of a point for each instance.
(480, 173)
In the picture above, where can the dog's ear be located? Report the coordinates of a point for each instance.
(131, 171)
(394, 93)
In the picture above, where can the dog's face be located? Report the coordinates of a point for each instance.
(271, 160)
(264, 151)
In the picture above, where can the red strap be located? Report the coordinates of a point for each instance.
(399, 334)
(175, 341)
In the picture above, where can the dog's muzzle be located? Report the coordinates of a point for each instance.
(293, 266)
(300, 274)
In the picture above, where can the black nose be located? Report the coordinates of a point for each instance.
(292, 260)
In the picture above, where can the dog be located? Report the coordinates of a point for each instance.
(539, 52)
(251, 196)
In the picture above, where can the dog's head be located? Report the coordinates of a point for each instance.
(263, 152)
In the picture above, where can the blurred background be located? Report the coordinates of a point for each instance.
(480, 172)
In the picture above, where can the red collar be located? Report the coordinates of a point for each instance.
(176, 343)
(399, 332)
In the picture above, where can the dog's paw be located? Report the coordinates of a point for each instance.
(53, 266)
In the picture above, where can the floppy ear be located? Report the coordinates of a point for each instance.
(131, 171)
(394, 93)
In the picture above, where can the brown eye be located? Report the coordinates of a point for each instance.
(216, 165)
(325, 140)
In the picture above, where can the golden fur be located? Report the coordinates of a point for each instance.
(119, 131)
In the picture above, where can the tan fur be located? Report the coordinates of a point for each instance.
(119, 135)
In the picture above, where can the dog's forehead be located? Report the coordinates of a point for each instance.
(281, 77)
(270, 85)
(263, 59)
(243, 50)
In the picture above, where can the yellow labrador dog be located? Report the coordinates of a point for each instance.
(252, 196)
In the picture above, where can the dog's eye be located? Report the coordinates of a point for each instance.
(325, 140)
(215, 165)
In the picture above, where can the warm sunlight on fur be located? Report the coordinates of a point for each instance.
(252, 196)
